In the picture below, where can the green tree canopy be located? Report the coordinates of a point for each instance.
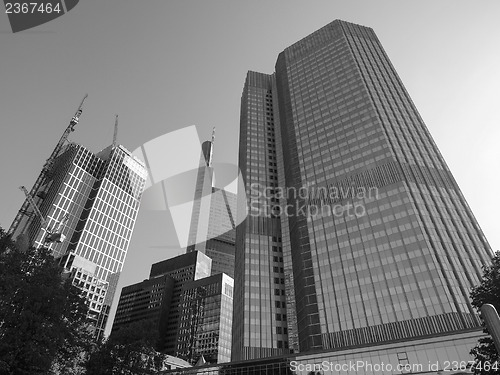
(488, 291)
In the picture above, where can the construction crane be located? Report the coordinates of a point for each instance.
(53, 235)
(44, 174)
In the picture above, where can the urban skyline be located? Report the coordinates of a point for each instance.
(294, 27)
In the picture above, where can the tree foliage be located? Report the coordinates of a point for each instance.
(43, 327)
(128, 351)
(488, 291)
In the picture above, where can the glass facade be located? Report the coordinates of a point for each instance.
(212, 230)
(220, 245)
(148, 300)
(200, 216)
(94, 200)
(183, 269)
(159, 298)
(430, 356)
(205, 327)
(260, 316)
(373, 238)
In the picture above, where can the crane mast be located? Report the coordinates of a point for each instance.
(53, 235)
(30, 200)
(42, 178)
(115, 134)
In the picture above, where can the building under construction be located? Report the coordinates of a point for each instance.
(83, 206)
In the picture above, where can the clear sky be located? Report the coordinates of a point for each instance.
(163, 65)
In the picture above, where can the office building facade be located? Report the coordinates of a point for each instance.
(148, 300)
(206, 323)
(159, 298)
(260, 295)
(423, 357)
(354, 214)
(93, 199)
(191, 310)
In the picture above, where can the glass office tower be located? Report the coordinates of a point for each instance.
(202, 200)
(94, 200)
(212, 230)
(259, 296)
(372, 236)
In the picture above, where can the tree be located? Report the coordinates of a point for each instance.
(128, 351)
(488, 291)
(43, 326)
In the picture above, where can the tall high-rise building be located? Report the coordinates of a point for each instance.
(202, 200)
(357, 232)
(212, 230)
(92, 200)
(260, 294)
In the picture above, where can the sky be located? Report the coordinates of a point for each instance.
(164, 65)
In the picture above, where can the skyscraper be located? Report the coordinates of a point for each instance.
(93, 199)
(213, 228)
(259, 295)
(202, 200)
(357, 232)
